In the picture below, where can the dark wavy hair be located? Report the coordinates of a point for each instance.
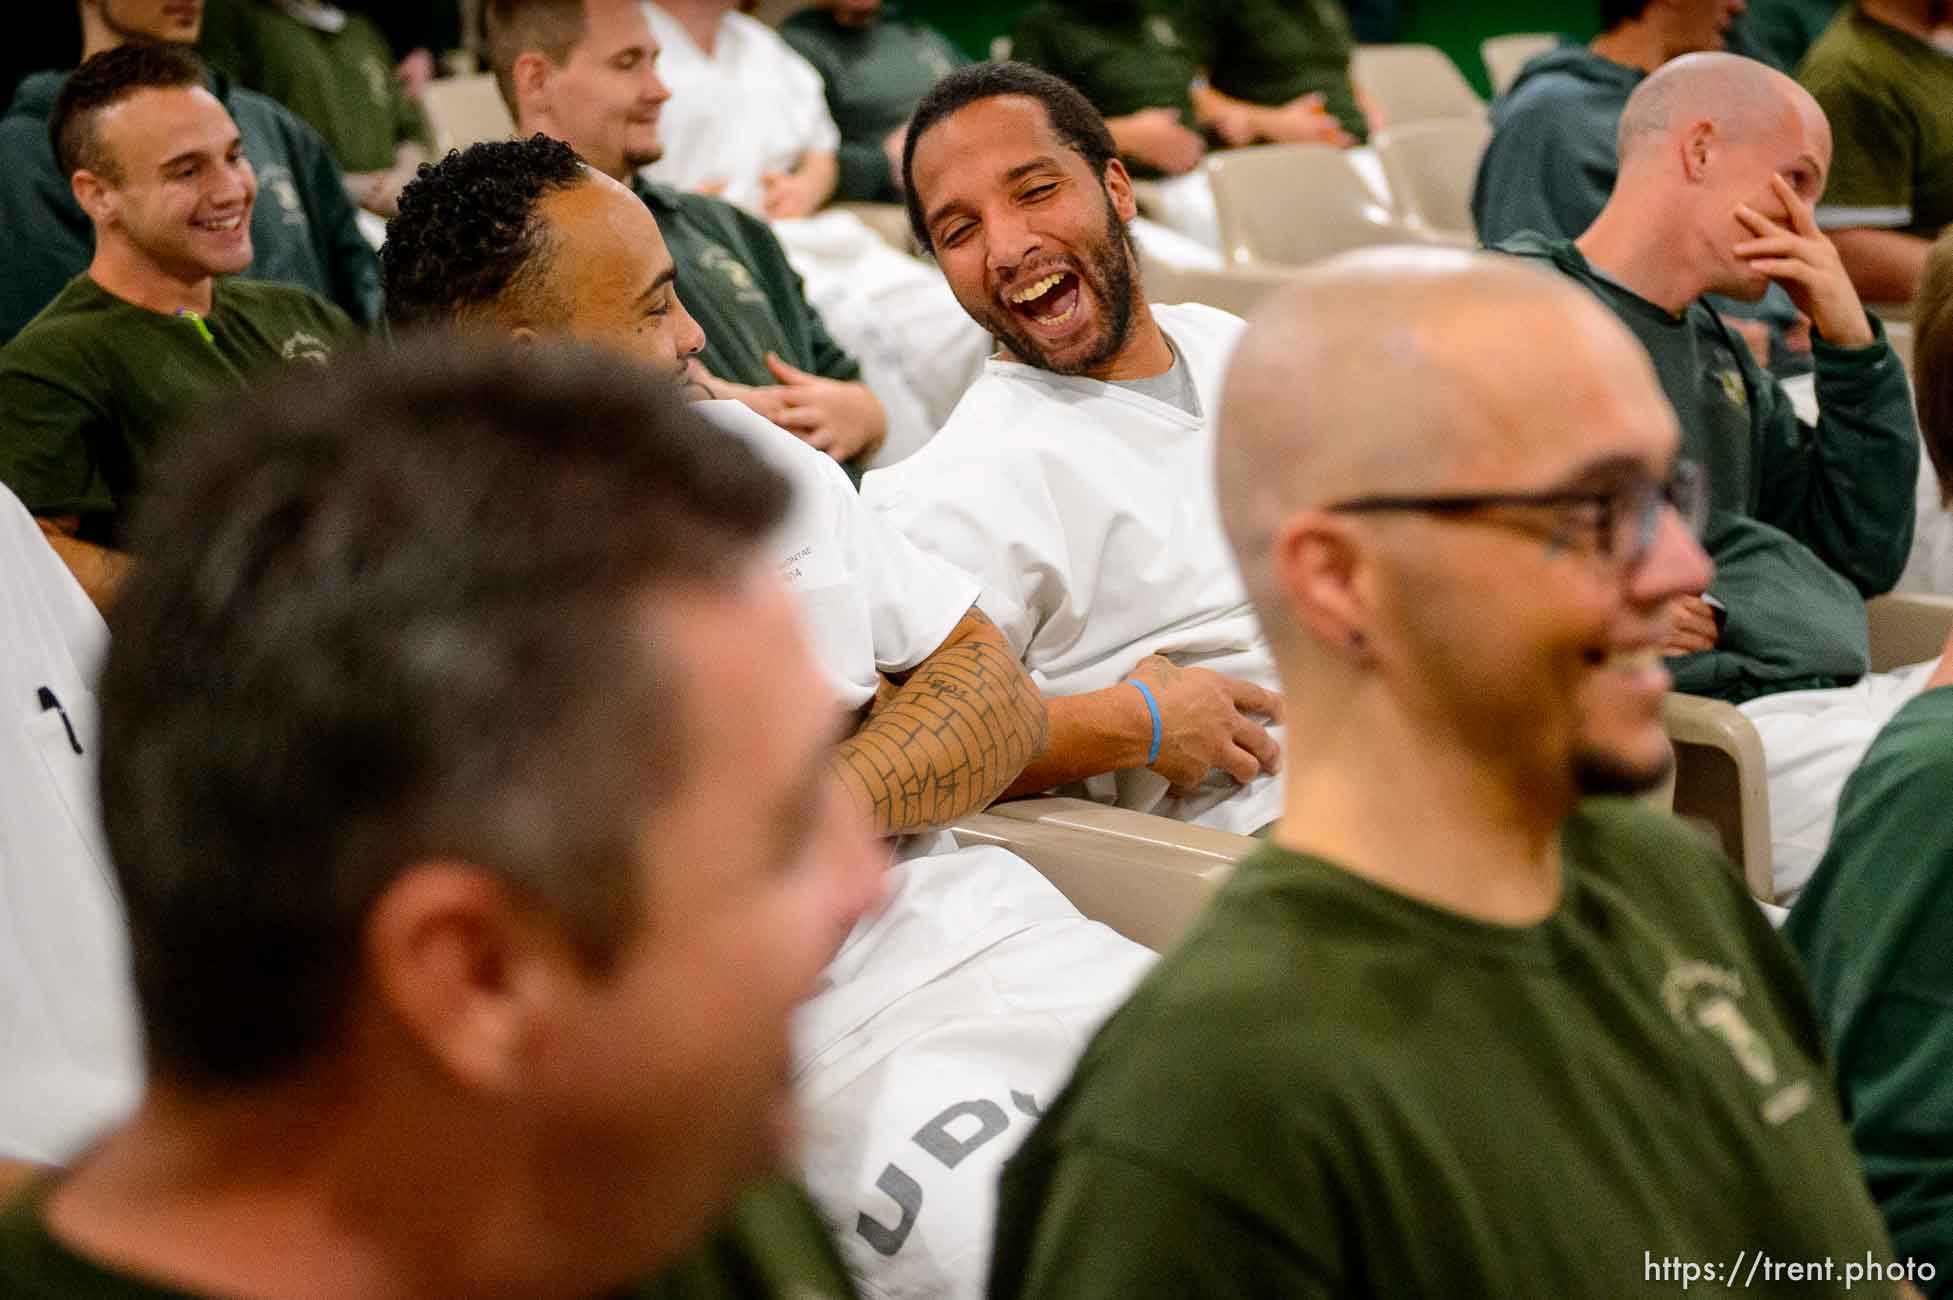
(467, 239)
(1071, 115)
(102, 81)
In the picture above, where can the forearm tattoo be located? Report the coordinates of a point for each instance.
(950, 738)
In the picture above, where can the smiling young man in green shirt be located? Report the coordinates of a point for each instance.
(89, 388)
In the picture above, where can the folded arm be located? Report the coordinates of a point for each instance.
(100, 570)
(950, 735)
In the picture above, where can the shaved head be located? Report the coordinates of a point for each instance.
(1418, 370)
(1740, 95)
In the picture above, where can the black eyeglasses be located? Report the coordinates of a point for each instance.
(1619, 523)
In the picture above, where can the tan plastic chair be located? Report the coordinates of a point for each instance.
(1292, 204)
(1414, 83)
(1234, 289)
(1720, 772)
(465, 110)
(1431, 166)
(1505, 55)
(1144, 876)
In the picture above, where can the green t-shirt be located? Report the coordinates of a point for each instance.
(1273, 51)
(1805, 521)
(1874, 927)
(343, 82)
(1889, 96)
(90, 384)
(874, 76)
(772, 1245)
(734, 278)
(1123, 55)
(1330, 1089)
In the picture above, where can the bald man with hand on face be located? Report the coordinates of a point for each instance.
(1461, 1029)
(1722, 159)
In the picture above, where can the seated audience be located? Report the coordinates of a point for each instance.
(335, 70)
(303, 234)
(1459, 1030)
(749, 117)
(1876, 922)
(1888, 91)
(71, 1066)
(584, 72)
(1721, 160)
(874, 66)
(426, 1010)
(1072, 478)
(978, 981)
(1140, 65)
(419, 32)
(1273, 67)
(1552, 160)
(88, 388)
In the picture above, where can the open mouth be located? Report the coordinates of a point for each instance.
(222, 225)
(1050, 301)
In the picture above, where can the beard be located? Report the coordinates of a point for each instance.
(1108, 276)
(1598, 773)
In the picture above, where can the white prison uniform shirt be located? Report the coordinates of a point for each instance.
(978, 981)
(1087, 512)
(70, 1061)
(751, 106)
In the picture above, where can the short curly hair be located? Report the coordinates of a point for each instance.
(467, 241)
(103, 81)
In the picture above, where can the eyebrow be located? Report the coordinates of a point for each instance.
(667, 276)
(1016, 173)
(1617, 466)
(235, 142)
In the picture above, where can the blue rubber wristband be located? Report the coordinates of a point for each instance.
(1152, 707)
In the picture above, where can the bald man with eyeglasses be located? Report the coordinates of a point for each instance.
(1463, 1028)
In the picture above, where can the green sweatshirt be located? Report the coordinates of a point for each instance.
(733, 277)
(302, 229)
(771, 1247)
(1875, 927)
(342, 82)
(1780, 31)
(1329, 1089)
(1889, 98)
(92, 383)
(1123, 55)
(1805, 522)
(875, 76)
(1551, 163)
(1272, 51)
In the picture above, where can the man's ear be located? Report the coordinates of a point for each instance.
(1118, 184)
(530, 75)
(1699, 145)
(1319, 570)
(464, 970)
(95, 195)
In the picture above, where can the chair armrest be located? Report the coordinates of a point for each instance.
(1144, 876)
(1721, 779)
(1908, 628)
(889, 220)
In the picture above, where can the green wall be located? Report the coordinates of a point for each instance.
(1455, 26)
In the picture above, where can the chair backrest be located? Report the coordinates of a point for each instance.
(1431, 166)
(1234, 289)
(465, 110)
(1721, 783)
(1505, 55)
(1414, 83)
(1291, 204)
(1144, 876)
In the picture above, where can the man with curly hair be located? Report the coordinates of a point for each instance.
(584, 72)
(154, 324)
